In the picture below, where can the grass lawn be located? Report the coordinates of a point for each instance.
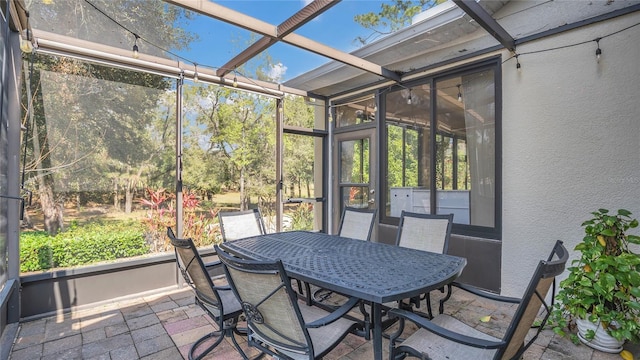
(228, 199)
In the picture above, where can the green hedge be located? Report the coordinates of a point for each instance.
(81, 245)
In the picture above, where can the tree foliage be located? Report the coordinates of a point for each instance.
(392, 17)
(91, 125)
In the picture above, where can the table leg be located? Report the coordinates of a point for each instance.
(377, 331)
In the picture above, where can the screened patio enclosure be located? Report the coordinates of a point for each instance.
(476, 109)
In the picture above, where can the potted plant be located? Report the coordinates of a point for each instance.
(601, 295)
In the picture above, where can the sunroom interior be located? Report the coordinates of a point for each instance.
(101, 107)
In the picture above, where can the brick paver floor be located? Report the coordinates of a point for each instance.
(164, 326)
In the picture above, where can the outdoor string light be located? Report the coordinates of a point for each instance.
(518, 66)
(195, 72)
(235, 79)
(409, 98)
(598, 50)
(136, 54)
(459, 93)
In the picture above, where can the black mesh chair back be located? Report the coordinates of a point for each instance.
(241, 224)
(357, 223)
(217, 301)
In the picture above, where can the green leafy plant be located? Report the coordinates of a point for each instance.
(302, 217)
(81, 245)
(603, 285)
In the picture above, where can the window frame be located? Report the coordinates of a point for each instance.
(493, 63)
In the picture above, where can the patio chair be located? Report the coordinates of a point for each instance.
(278, 323)
(236, 225)
(357, 223)
(445, 337)
(427, 232)
(241, 224)
(218, 302)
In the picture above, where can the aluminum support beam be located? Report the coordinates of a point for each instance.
(255, 25)
(288, 26)
(484, 19)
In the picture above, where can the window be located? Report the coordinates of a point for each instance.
(354, 173)
(357, 112)
(441, 138)
(304, 138)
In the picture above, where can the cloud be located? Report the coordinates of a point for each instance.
(277, 71)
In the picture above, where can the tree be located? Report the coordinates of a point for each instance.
(246, 134)
(229, 138)
(88, 121)
(391, 17)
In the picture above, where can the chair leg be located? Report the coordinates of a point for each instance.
(194, 347)
(228, 330)
(321, 295)
(428, 298)
(444, 299)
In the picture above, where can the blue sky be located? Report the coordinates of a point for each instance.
(219, 42)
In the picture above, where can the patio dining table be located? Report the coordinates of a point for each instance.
(371, 271)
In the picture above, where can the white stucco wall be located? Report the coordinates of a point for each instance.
(571, 141)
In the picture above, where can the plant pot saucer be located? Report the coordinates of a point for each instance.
(599, 347)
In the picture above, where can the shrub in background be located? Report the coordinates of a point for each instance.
(81, 245)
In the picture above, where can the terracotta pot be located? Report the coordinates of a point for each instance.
(601, 341)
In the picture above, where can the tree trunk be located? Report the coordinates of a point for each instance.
(116, 195)
(243, 196)
(128, 200)
(52, 212)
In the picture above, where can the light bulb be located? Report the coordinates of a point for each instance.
(409, 100)
(195, 73)
(235, 81)
(598, 54)
(26, 46)
(459, 94)
(136, 54)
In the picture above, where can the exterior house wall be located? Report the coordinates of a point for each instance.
(571, 140)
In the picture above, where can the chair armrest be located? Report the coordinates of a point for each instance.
(445, 333)
(335, 315)
(485, 294)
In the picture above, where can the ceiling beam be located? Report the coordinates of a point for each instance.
(340, 56)
(60, 45)
(236, 18)
(484, 19)
(300, 18)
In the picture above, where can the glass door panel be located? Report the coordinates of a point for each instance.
(355, 168)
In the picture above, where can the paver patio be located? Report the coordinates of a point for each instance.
(164, 326)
